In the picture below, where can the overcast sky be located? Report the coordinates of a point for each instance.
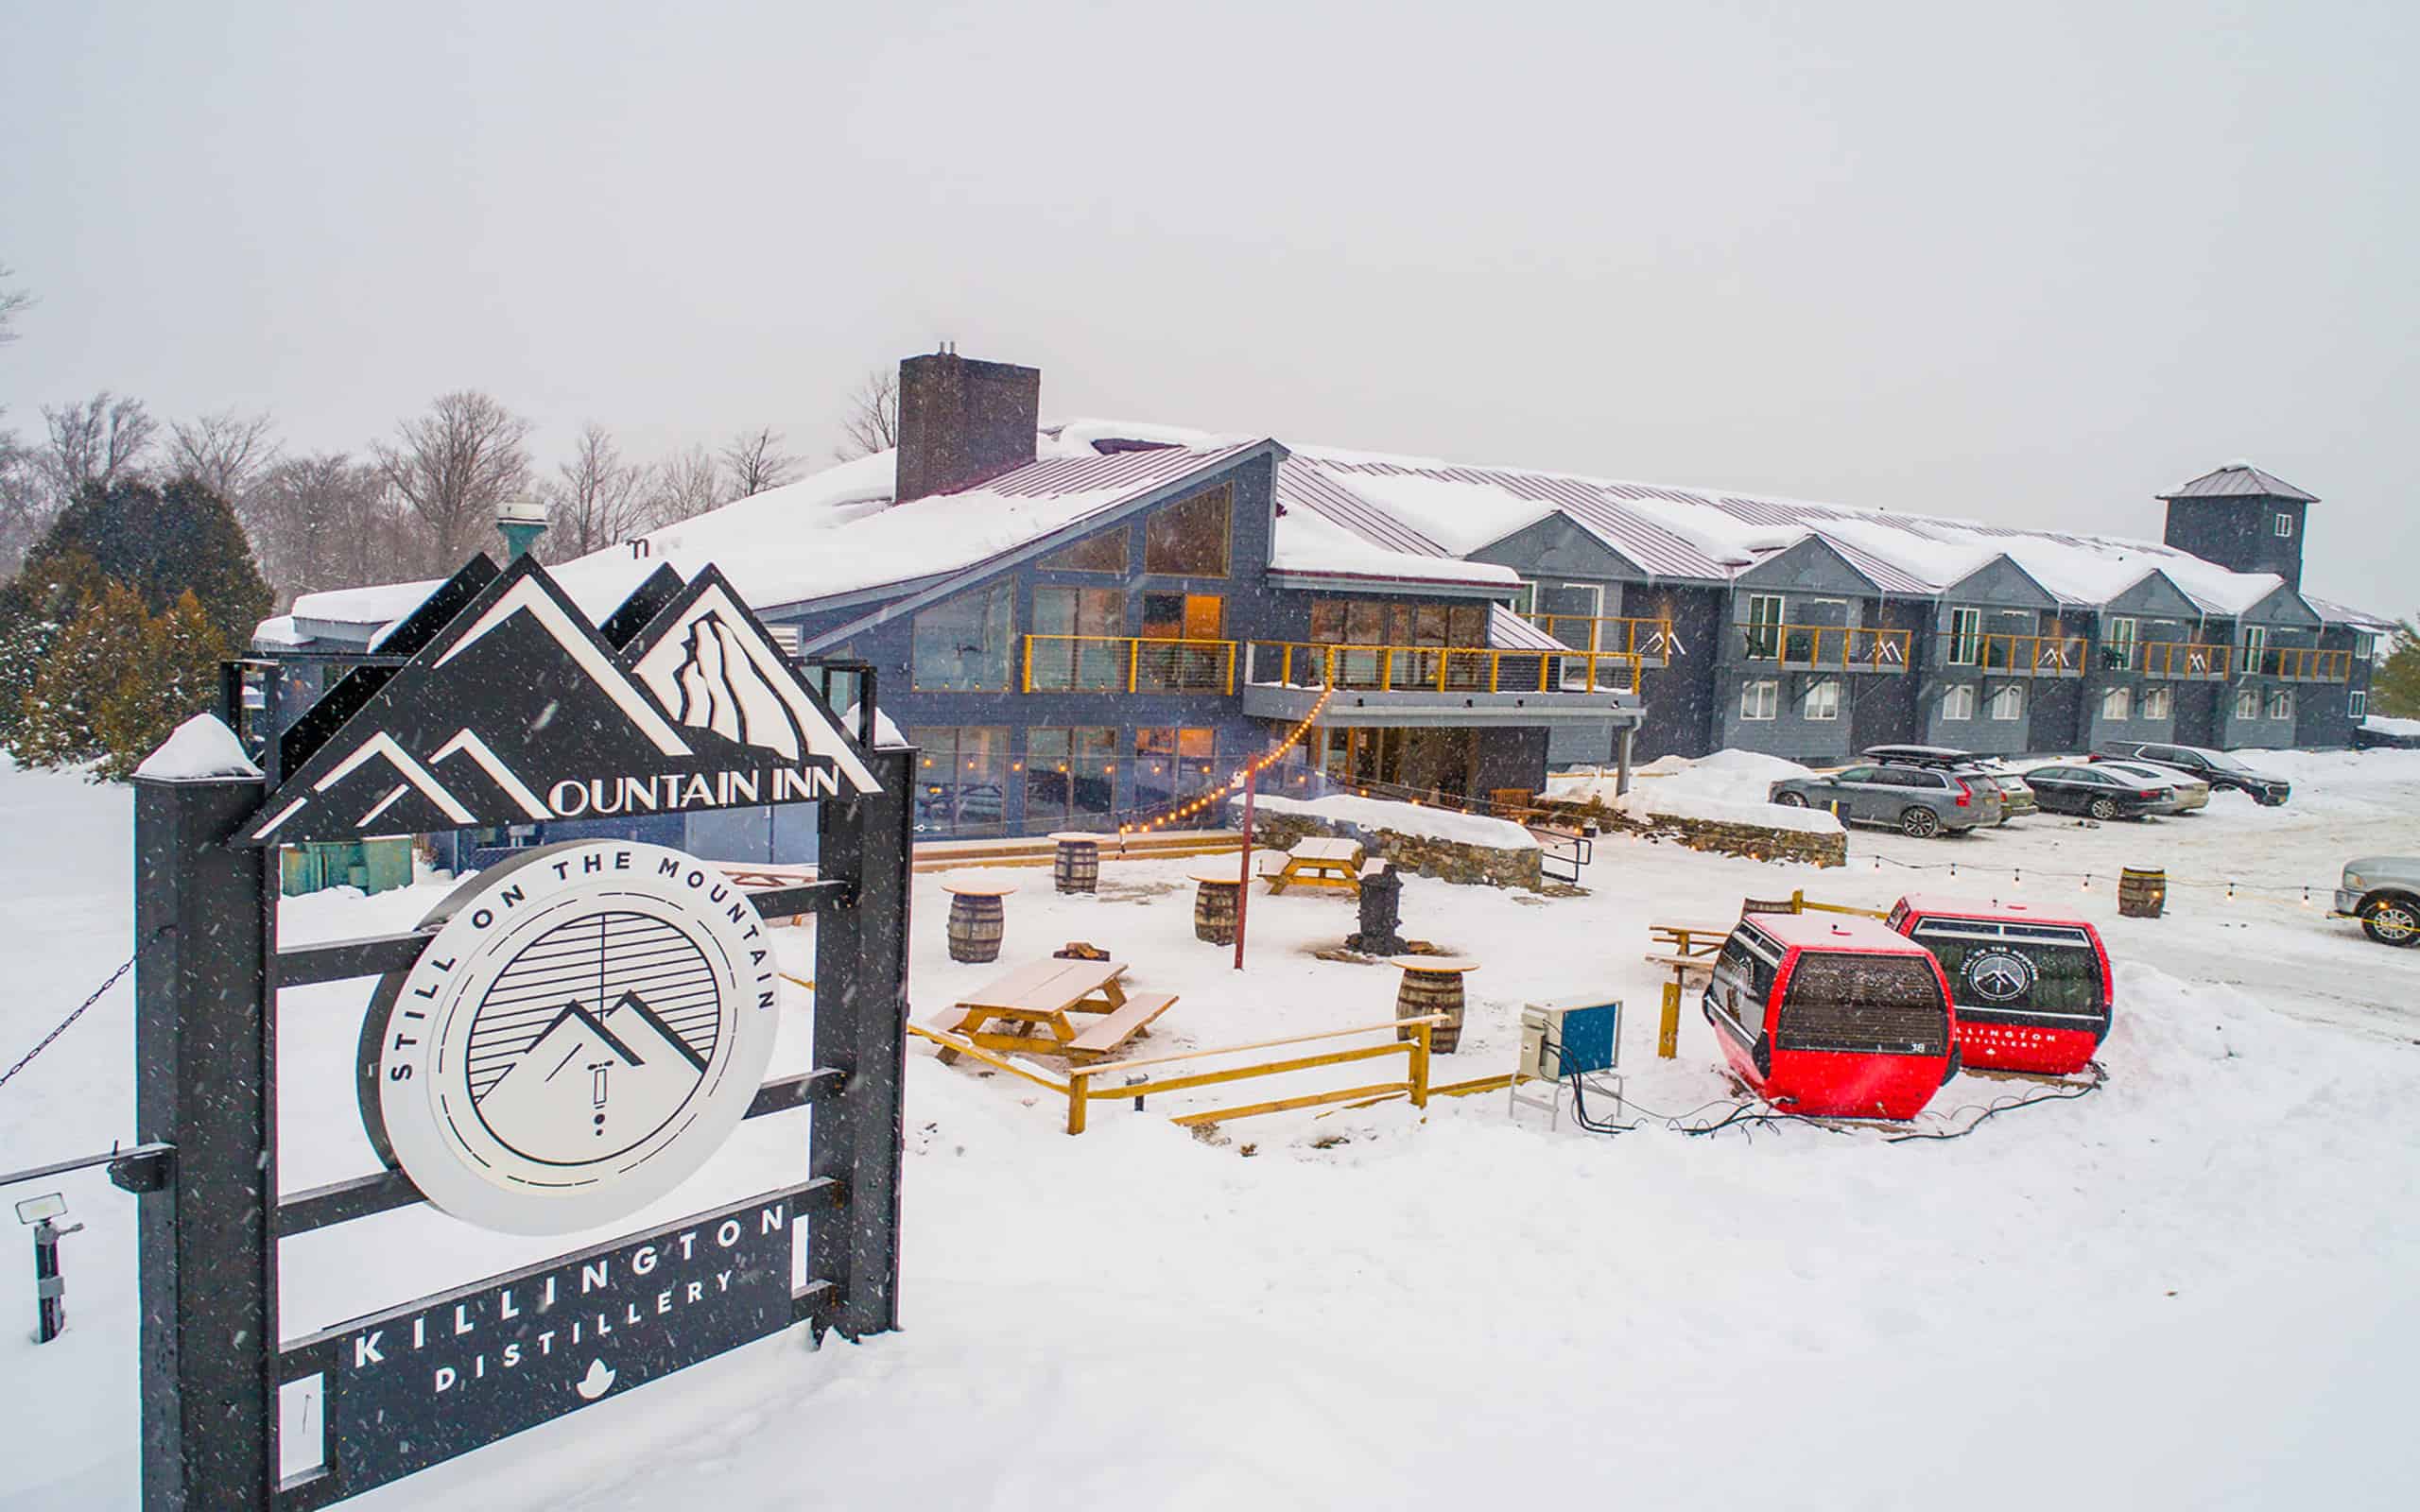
(2030, 264)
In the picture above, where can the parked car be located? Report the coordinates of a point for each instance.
(1919, 800)
(1837, 1017)
(2216, 768)
(2015, 797)
(2186, 793)
(2383, 892)
(2095, 792)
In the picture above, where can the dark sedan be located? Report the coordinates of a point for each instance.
(2095, 792)
(2216, 768)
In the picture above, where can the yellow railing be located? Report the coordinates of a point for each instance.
(1128, 664)
(2306, 664)
(1848, 648)
(1410, 1041)
(1442, 668)
(1650, 640)
(2030, 656)
(2189, 660)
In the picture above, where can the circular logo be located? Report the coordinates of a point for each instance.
(590, 1022)
(1998, 975)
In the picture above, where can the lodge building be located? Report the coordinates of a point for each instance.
(1080, 624)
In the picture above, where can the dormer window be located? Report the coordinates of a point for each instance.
(2282, 525)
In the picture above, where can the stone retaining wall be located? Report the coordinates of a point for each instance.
(1754, 841)
(1419, 854)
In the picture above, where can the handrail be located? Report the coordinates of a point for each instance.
(1262, 1044)
(2307, 664)
(1824, 646)
(2203, 660)
(1623, 640)
(2032, 655)
(1446, 668)
(1150, 663)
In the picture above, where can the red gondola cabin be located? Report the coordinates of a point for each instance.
(1832, 1015)
(2031, 986)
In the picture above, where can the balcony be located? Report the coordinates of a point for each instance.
(1650, 640)
(2305, 664)
(2018, 655)
(2170, 660)
(1822, 647)
(1439, 684)
(1128, 664)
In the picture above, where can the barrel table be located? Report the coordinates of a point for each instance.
(976, 919)
(1078, 867)
(1434, 985)
(2141, 894)
(1214, 906)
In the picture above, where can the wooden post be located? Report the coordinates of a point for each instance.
(1243, 878)
(1668, 1031)
(1420, 1064)
(1077, 1087)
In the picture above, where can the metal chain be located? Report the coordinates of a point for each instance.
(123, 968)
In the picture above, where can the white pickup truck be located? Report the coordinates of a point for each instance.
(2383, 892)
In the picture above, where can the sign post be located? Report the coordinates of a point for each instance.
(565, 1038)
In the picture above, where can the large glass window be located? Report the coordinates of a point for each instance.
(961, 778)
(962, 644)
(1070, 778)
(1078, 638)
(2117, 643)
(1104, 553)
(1764, 626)
(1965, 636)
(1189, 538)
(2255, 648)
(1171, 764)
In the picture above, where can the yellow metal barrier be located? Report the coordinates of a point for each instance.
(1847, 648)
(1613, 634)
(2034, 655)
(1445, 668)
(2307, 664)
(1128, 664)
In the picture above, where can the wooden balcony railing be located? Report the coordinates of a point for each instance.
(1439, 668)
(2187, 660)
(1650, 640)
(1128, 664)
(2022, 656)
(1844, 647)
(2306, 664)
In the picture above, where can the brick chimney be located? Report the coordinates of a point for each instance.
(963, 421)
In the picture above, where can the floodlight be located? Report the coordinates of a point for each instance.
(39, 1210)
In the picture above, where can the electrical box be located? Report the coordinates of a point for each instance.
(1570, 1036)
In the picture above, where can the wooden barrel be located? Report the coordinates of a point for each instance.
(1214, 910)
(975, 925)
(2142, 893)
(1427, 992)
(1078, 868)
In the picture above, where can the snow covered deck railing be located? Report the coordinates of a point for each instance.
(1650, 640)
(1841, 647)
(1441, 669)
(1128, 664)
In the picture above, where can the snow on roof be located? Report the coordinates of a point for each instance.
(1508, 631)
(2335, 614)
(2238, 479)
(200, 748)
(1460, 515)
(1925, 557)
(1312, 542)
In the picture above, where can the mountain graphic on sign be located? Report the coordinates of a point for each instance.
(517, 693)
(590, 1084)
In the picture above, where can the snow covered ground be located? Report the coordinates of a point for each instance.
(2192, 1289)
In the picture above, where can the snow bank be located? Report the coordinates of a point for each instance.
(2386, 725)
(1728, 787)
(202, 747)
(1403, 819)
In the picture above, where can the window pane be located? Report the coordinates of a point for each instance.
(1189, 539)
(1104, 553)
(1327, 620)
(1466, 624)
(962, 644)
(1428, 625)
(1365, 623)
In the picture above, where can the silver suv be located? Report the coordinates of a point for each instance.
(2383, 892)
(1917, 800)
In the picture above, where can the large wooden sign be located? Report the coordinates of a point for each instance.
(566, 1039)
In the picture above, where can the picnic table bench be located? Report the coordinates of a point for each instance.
(1036, 1002)
(1693, 940)
(1329, 865)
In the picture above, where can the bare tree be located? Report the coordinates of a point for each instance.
(328, 521)
(687, 483)
(871, 423)
(453, 466)
(754, 461)
(100, 441)
(26, 503)
(226, 451)
(12, 301)
(594, 498)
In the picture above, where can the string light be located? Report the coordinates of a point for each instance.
(2016, 876)
(2230, 889)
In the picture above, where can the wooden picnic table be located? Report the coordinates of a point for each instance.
(1689, 947)
(1330, 865)
(1691, 938)
(1036, 1001)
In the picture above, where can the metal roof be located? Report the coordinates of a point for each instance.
(1301, 483)
(2239, 480)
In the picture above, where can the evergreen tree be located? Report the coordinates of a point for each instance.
(173, 678)
(2395, 688)
(36, 607)
(160, 542)
(102, 646)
